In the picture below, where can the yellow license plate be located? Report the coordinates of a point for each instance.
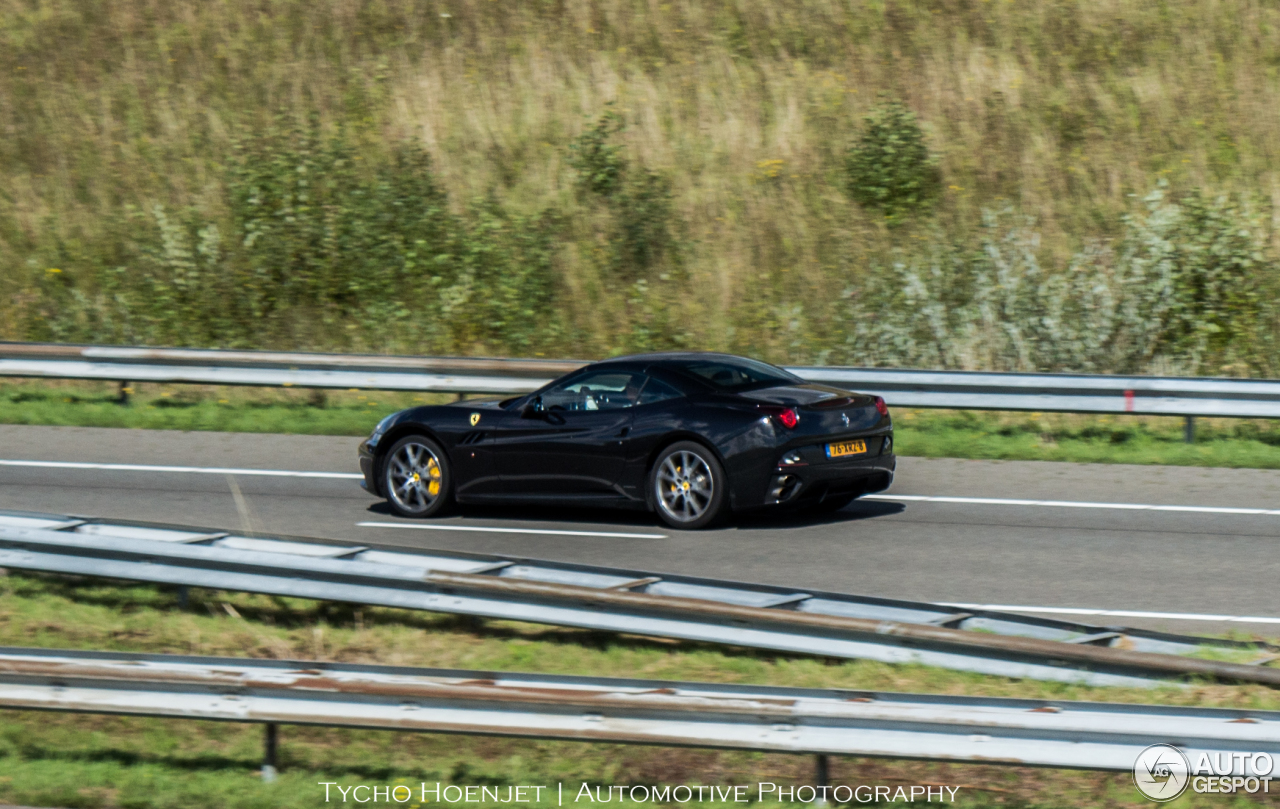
(846, 448)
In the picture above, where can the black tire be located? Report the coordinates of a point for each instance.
(834, 503)
(688, 486)
(410, 470)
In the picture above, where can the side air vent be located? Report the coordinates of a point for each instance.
(473, 437)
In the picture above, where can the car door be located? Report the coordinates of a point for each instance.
(660, 409)
(475, 474)
(571, 440)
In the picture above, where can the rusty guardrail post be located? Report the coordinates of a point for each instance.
(270, 758)
(822, 774)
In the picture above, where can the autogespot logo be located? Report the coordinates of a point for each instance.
(1161, 772)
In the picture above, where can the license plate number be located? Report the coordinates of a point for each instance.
(846, 448)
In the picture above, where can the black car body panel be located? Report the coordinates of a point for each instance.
(516, 450)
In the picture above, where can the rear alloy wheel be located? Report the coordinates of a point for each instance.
(688, 486)
(416, 477)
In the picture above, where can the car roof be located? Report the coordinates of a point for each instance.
(675, 367)
(672, 357)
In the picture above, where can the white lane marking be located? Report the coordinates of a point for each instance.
(482, 529)
(997, 501)
(198, 470)
(1177, 616)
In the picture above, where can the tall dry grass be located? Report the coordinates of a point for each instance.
(1067, 111)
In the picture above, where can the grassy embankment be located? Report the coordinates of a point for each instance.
(935, 434)
(1064, 112)
(92, 761)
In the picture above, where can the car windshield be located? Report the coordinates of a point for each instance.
(738, 374)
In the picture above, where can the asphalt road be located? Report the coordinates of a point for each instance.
(1049, 556)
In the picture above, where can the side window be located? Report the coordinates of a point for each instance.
(657, 391)
(600, 391)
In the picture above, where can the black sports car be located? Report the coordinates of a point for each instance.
(687, 435)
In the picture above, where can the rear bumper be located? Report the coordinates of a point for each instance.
(834, 479)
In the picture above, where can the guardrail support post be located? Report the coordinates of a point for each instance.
(271, 743)
(1189, 430)
(821, 774)
(123, 398)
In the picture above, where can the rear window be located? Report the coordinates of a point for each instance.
(738, 374)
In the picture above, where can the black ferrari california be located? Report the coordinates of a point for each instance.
(690, 436)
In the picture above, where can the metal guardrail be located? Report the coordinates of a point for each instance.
(634, 602)
(1047, 733)
(1063, 393)
(279, 369)
(1070, 393)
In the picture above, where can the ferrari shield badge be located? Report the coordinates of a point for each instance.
(475, 419)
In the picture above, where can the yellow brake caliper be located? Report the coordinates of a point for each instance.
(433, 471)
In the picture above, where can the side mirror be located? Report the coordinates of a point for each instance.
(532, 409)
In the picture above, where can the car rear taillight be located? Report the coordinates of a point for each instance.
(881, 407)
(786, 416)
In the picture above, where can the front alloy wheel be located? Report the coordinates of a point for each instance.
(688, 486)
(416, 477)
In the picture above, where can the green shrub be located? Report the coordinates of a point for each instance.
(1216, 273)
(321, 232)
(321, 248)
(504, 295)
(599, 161)
(643, 222)
(1181, 291)
(639, 201)
(889, 167)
